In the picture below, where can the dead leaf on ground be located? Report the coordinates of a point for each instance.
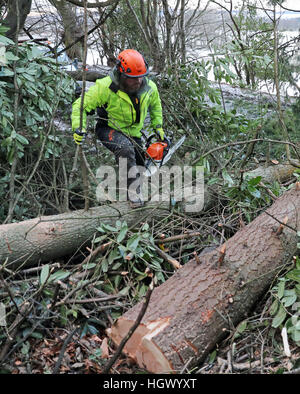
(104, 348)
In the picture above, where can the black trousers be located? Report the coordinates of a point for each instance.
(121, 146)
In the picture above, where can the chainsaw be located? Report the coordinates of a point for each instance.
(159, 153)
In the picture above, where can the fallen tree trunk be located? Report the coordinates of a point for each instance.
(190, 312)
(49, 237)
(279, 172)
(91, 75)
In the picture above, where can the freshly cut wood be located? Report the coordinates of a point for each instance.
(194, 309)
(49, 237)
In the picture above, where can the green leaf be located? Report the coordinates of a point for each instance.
(288, 301)
(281, 287)
(104, 265)
(58, 275)
(22, 139)
(296, 335)
(212, 357)
(113, 255)
(117, 281)
(227, 178)
(133, 242)
(141, 277)
(89, 266)
(137, 271)
(274, 307)
(254, 192)
(242, 326)
(29, 77)
(26, 345)
(5, 40)
(21, 70)
(37, 335)
(279, 318)
(72, 312)
(145, 227)
(122, 250)
(6, 73)
(36, 52)
(11, 56)
(116, 266)
(100, 239)
(125, 290)
(11, 155)
(3, 29)
(122, 233)
(106, 227)
(43, 105)
(294, 275)
(44, 274)
(254, 181)
(46, 69)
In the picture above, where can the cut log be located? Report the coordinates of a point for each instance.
(279, 172)
(49, 237)
(192, 311)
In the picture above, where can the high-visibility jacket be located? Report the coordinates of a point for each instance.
(120, 109)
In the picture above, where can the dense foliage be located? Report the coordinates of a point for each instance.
(33, 90)
(39, 88)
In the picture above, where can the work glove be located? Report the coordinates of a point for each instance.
(160, 133)
(79, 136)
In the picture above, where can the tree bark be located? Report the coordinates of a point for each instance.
(193, 310)
(11, 18)
(49, 237)
(72, 29)
(92, 74)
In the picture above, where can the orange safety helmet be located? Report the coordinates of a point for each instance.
(156, 150)
(132, 64)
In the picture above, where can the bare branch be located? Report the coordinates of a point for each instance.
(146, 36)
(287, 9)
(97, 4)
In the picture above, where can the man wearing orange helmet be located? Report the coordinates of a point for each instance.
(124, 98)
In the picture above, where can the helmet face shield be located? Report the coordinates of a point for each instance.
(132, 64)
(134, 76)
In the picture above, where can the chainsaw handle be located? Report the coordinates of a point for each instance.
(150, 138)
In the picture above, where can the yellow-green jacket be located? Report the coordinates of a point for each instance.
(119, 107)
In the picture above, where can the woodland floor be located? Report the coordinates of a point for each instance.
(257, 350)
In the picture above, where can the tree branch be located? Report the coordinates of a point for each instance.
(287, 9)
(94, 5)
(63, 349)
(244, 142)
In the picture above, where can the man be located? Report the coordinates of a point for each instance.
(124, 98)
